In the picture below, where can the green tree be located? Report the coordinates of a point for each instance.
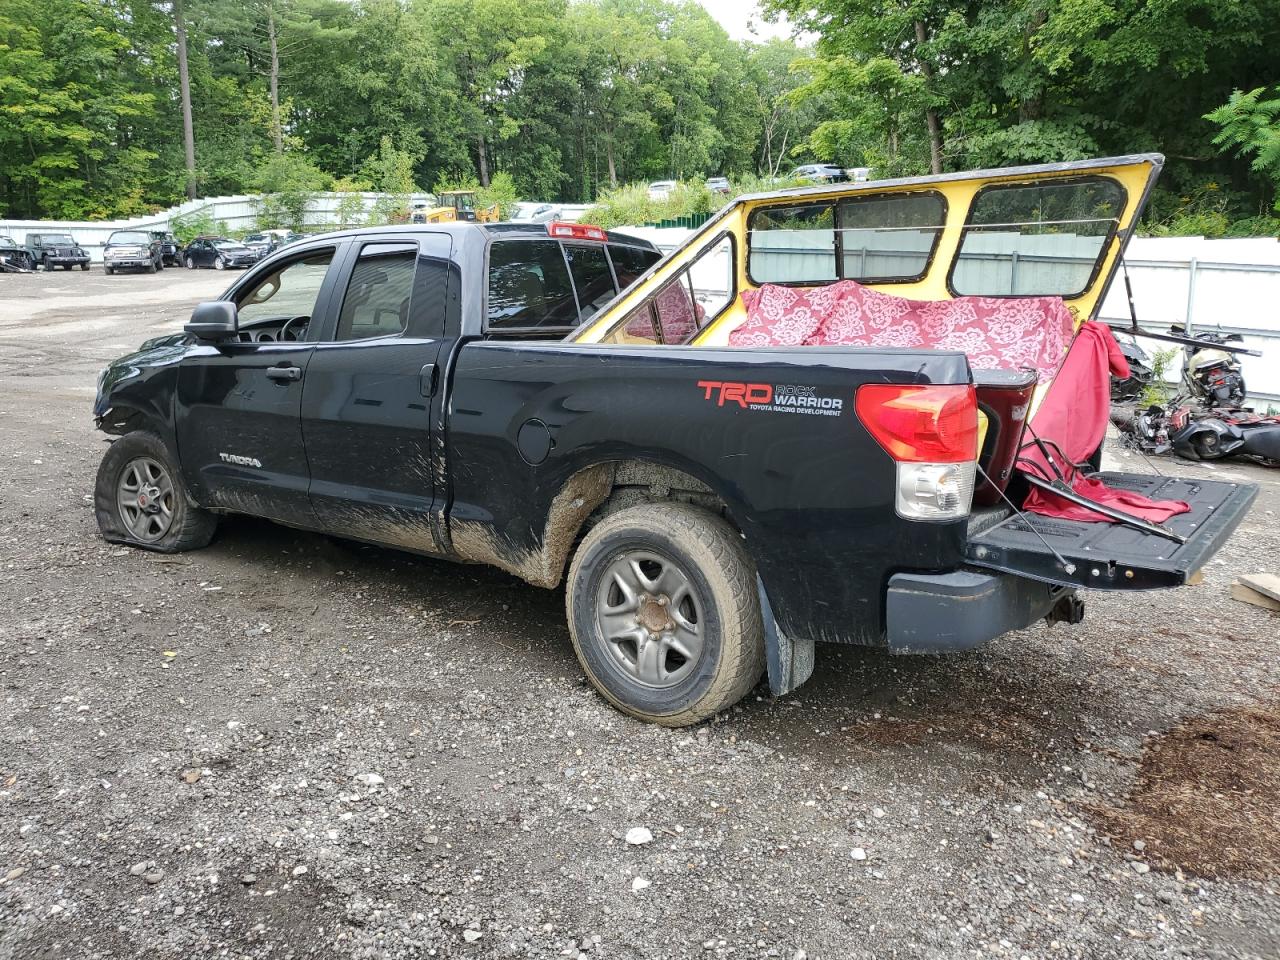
(1250, 127)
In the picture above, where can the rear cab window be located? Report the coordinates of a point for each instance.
(876, 238)
(1037, 239)
(543, 288)
(685, 304)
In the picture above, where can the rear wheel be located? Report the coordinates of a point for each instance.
(664, 614)
(139, 498)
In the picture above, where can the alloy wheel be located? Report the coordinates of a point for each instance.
(145, 497)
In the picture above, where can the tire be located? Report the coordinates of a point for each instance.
(219, 264)
(108, 270)
(170, 522)
(191, 264)
(695, 572)
(48, 267)
(159, 264)
(152, 268)
(84, 266)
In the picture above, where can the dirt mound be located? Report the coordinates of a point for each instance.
(1207, 796)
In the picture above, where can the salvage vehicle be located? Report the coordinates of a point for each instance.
(133, 250)
(13, 258)
(560, 403)
(170, 248)
(220, 253)
(49, 250)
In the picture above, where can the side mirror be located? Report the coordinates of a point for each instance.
(214, 321)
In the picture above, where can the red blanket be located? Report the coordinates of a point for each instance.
(1009, 333)
(1073, 416)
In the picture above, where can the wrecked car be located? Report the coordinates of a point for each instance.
(831, 415)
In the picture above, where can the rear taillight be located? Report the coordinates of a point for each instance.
(932, 433)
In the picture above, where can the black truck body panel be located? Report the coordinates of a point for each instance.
(812, 494)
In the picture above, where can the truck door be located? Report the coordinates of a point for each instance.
(367, 402)
(238, 403)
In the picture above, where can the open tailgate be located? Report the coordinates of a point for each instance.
(1109, 556)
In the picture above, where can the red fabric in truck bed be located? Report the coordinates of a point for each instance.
(1072, 418)
(1008, 333)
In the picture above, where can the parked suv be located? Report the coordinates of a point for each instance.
(219, 253)
(132, 250)
(269, 241)
(51, 250)
(170, 248)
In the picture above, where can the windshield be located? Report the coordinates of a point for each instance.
(130, 236)
(56, 238)
(226, 243)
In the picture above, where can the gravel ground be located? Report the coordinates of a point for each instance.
(282, 746)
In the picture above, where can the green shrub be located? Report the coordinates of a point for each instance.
(198, 223)
(1158, 390)
(630, 205)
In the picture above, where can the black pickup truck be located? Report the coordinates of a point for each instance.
(414, 387)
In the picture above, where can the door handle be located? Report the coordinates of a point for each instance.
(284, 373)
(427, 380)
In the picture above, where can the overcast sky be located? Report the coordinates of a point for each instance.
(742, 17)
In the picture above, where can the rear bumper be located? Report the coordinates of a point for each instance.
(947, 612)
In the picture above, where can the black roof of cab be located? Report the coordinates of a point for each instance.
(532, 231)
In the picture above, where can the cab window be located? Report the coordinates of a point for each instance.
(379, 293)
(630, 263)
(1037, 239)
(592, 278)
(529, 288)
(288, 291)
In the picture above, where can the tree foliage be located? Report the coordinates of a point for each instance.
(1031, 81)
(537, 98)
(569, 99)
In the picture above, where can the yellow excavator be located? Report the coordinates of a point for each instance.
(454, 205)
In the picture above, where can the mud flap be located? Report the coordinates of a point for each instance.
(790, 661)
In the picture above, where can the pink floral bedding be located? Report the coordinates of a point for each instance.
(995, 332)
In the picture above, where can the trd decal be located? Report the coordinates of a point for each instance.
(778, 398)
(740, 393)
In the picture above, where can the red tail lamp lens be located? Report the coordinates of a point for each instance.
(921, 424)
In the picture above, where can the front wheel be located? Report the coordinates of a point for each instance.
(191, 264)
(219, 264)
(139, 498)
(151, 267)
(664, 613)
(108, 270)
(84, 266)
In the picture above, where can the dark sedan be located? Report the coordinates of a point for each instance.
(219, 253)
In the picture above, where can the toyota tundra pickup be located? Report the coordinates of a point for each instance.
(561, 403)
